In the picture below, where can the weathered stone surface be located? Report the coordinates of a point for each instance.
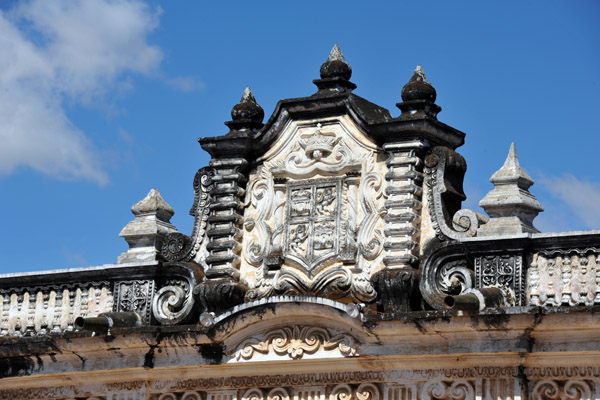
(146, 232)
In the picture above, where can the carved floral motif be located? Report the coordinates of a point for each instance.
(297, 341)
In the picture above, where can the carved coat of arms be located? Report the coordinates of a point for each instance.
(313, 222)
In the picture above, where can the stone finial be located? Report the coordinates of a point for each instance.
(510, 205)
(418, 97)
(247, 114)
(335, 73)
(418, 88)
(145, 233)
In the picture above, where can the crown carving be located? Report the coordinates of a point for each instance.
(318, 144)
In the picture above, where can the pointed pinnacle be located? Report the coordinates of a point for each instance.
(512, 162)
(336, 54)
(418, 75)
(248, 96)
(511, 170)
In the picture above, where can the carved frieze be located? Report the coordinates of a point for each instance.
(407, 384)
(564, 277)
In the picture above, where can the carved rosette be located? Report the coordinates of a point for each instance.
(296, 342)
(312, 225)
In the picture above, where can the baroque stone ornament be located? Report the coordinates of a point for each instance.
(146, 233)
(313, 225)
(295, 342)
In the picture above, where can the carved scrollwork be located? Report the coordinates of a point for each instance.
(167, 396)
(297, 341)
(364, 391)
(278, 394)
(341, 392)
(441, 390)
(443, 276)
(369, 238)
(253, 394)
(172, 303)
(444, 170)
(555, 390)
(180, 247)
(367, 391)
(191, 396)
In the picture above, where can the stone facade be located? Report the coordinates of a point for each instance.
(330, 259)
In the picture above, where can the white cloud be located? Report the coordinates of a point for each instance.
(582, 197)
(65, 50)
(185, 83)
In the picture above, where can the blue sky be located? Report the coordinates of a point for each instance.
(103, 100)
